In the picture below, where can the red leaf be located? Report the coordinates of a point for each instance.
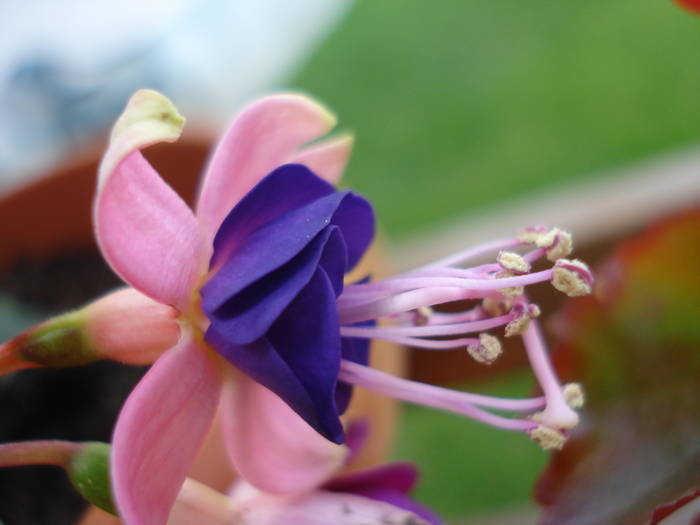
(635, 346)
(690, 5)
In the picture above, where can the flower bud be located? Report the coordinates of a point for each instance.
(123, 326)
(86, 463)
(88, 471)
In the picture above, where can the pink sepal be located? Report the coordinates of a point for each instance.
(263, 136)
(160, 430)
(146, 232)
(270, 445)
(328, 158)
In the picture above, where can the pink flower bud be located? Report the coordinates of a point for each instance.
(123, 326)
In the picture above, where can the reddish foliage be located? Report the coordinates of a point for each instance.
(635, 346)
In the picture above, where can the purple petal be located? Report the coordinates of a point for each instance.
(247, 315)
(389, 483)
(356, 434)
(273, 245)
(401, 477)
(299, 358)
(288, 187)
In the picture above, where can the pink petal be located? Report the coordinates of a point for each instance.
(145, 230)
(270, 445)
(327, 159)
(198, 504)
(323, 508)
(159, 432)
(265, 135)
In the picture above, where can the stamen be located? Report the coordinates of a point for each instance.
(572, 277)
(574, 396)
(395, 285)
(513, 262)
(487, 350)
(354, 310)
(530, 234)
(425, 331)
(512, 291)
(422, 315)
(496, 306)
(547, 438)
(557, 413)
(557, 243)
(523, 314)
(473, 252)
(436, 397)
(474, 314)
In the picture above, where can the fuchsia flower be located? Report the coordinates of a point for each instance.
(257, 274)
(255, 280)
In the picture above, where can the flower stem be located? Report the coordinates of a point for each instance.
(56, 453)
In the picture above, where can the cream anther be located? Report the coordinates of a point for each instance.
(530, 234)
(572, 277)
(496, 307)
(523, 314)
(518, 325)
(487, 351)
(573, 395)
(512, 262)
(421, 315)
(547, 438)
(557, 243)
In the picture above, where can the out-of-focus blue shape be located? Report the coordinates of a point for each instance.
(67, 68)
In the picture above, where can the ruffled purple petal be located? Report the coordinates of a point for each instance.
(389, 483)
(401, 477)
(299, 358)
(278, 267)
(288, 187)
(249, 314)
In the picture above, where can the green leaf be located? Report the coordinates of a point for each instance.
(635, 345)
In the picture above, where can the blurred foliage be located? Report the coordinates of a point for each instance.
(458, 105)
(636, 348)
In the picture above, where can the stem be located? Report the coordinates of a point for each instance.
(437, 397)
(58, 453)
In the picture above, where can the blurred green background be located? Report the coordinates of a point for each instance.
(460, 104)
